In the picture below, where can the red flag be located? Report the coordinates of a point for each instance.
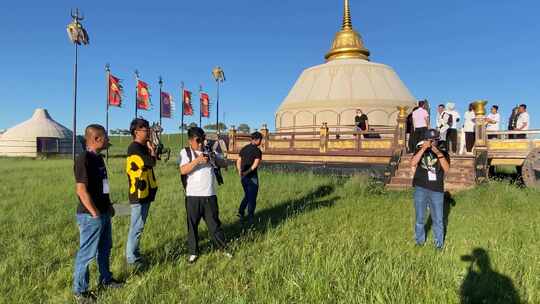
(205, 105)
(115, 91)
(143, 96)
(166, 105)
(188, 109)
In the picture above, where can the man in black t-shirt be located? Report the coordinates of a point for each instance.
(430, 164)
(140, 162)
(94, 214)
(249, 159)
(361, 121)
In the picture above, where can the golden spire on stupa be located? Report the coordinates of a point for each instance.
(347, 43)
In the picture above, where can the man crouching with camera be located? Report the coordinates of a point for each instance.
(199, 167)
(430, 163)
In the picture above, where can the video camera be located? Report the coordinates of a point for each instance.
(208, 152)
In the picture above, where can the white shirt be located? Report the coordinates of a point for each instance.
(468, 123)
(443, 120)
(455, 118)
(419, 117)
(201, 181)
(522, 119)
(495, 126)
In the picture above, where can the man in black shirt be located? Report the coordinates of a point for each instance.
(430, 164)
(361, 121)
(247, 163)
(140, 162)
(94, 214)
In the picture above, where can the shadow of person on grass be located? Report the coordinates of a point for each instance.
(484, 285)
(448, 204)
(172, 249)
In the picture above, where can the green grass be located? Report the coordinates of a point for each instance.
(320, 239)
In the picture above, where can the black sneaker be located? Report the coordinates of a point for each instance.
(113, 284)
(85, 298)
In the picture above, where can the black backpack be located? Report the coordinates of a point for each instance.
(183, 177)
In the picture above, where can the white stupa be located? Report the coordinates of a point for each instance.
(333, 91)
(39, 135)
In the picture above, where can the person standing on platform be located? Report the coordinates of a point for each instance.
(443, 119)
(249, 159)
(452, 134)
(522, 123)
(140, 163)
(420, 118)
(468, 128)
(361, 121)
(493, 121)
(94, 214)
(430, 163)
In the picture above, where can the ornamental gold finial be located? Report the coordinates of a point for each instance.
(347, 23)
(347, 43)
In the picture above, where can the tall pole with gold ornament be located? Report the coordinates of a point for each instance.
(219, 76)
(78, 36)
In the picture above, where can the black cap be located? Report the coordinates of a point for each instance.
(256, 135)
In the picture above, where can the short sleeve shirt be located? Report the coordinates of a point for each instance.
(429, 173)
(249, 154)
(522, 119)
(360, 121)
(201, 181)
(419, 117)
(90, 170)
(495, 117)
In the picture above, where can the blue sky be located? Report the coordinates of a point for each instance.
(442, 50)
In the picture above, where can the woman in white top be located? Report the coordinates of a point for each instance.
(468, 127)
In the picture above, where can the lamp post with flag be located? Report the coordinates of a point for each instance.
(78, 36)
(219, 76)
(160, 99)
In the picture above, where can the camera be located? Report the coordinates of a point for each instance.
(209, 153)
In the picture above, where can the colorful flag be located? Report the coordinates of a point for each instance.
(188, 109)
(166, 105)
(115, 91)
(205, 105)
(143, 96)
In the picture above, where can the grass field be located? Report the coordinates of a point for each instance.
(319, 239)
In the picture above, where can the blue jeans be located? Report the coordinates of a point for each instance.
(251, 188)
(423, 197)
(95, 241)
(139, 213)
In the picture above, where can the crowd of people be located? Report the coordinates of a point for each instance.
(199, 168)
(448, 120)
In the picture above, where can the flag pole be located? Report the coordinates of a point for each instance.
(74, 139)
(160, 101)
(182, 121)
(108, 74)
(200, 106)
(136, 90)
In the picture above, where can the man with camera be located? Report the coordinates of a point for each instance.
(247, 163)
(430, 164)
(94, 214)
(140, 163)
(199, 167)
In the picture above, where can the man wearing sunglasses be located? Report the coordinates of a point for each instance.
(201, 188)
(140, 164)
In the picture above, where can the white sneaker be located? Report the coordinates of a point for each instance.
(227, 254)
(192, 258)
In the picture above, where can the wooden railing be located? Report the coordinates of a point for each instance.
(380, 139)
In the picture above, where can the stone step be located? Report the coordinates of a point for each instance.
(451, 175)
(452, 187)
(403, 180)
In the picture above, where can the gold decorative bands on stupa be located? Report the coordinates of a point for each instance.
(347, 43)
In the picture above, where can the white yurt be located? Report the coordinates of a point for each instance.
(348, 81)
(39, 135)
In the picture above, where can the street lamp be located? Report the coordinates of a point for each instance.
(219, 76)
(78, 36)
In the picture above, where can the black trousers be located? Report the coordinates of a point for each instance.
(451, 140)
(469, 141)
(418, 135)
(205, 207)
